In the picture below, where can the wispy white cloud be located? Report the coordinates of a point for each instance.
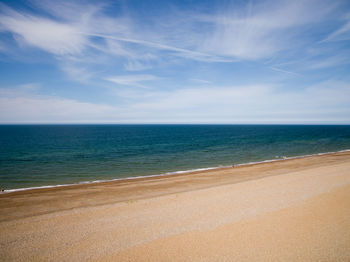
(263, 29)
(19, 90)
(342, 33)
(88, 15)
(29, 87)
(283, 71)
(63, 32)
(132, 80)
(186, 53)
(327, 62)
(200, 81)
(46, 34)
(77, 71)
(135, 65)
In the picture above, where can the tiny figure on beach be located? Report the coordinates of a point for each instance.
(233, 165)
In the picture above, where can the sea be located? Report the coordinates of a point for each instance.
(54, 155)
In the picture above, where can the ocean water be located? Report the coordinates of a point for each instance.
(40, 155)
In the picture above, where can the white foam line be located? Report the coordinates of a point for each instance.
(172, 173)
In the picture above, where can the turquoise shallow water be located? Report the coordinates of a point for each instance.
(38, 155)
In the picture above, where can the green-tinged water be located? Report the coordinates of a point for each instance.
(37, 155)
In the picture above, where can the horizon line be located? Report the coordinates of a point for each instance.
(170, 123)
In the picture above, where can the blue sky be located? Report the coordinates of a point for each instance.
(134, 61)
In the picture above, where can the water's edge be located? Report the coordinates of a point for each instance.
(172, 173)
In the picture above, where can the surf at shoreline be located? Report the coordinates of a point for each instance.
(37, 156)
(173, 173)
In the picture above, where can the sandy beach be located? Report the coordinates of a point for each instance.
(289, 210)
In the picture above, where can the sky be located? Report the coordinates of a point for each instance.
(211, 62)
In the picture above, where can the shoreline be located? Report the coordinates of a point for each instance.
(168, 174)
(292, 210)
(59, 198)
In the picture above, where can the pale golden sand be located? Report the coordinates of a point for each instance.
(293, 210)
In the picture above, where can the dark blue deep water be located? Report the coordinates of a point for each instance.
(36, 155)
